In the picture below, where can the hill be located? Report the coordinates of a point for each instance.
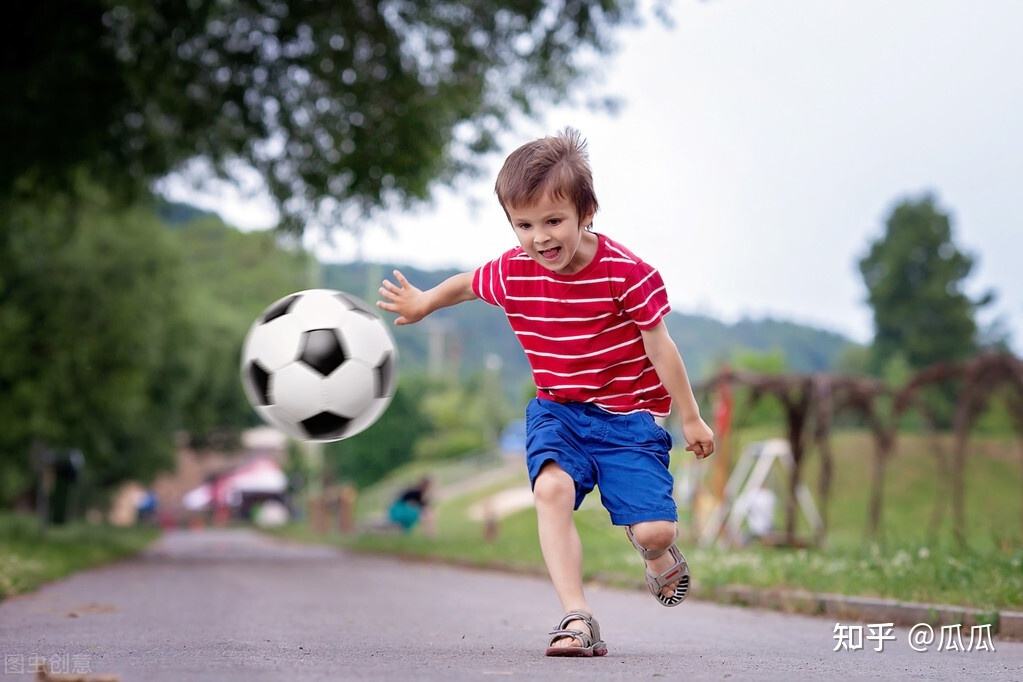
(463, 336)
(460, 339)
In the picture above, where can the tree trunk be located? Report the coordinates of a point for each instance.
(943, 487)
(876, 490)
(824, 485)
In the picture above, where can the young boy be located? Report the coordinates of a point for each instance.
(589, 315)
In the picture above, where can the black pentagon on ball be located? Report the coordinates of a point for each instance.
(260, 379)
(385, 376)
(280, 308)
(357, 306)
(322, 350)
(325, 425)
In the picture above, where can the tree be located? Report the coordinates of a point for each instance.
(94, 339)
(340, 106)
(914, 275)
(230, 278)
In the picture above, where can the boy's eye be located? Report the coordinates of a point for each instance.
(554, 221)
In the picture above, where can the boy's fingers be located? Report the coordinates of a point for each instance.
(389, 307)
(389, 285)
(701, 450)
(401, 278)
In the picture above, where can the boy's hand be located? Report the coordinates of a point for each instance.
(406, 300)
(699, 437)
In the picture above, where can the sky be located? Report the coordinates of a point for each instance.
(759, 150)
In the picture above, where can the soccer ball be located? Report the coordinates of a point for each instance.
(319, 365)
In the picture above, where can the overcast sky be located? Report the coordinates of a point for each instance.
(761, 146)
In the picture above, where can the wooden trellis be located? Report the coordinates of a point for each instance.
(822, 396)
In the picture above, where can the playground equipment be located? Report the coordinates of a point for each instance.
(744, 494)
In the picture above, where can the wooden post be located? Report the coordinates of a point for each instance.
(347, 496)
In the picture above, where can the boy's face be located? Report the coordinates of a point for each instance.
(551, 232)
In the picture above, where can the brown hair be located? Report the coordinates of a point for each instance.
(556, 165)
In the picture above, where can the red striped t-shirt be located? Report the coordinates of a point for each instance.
(581, 332)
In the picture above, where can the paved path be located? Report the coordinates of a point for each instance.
(233, 605)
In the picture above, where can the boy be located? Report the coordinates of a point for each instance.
(589, 315)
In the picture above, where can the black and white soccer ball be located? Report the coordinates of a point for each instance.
(320, 365)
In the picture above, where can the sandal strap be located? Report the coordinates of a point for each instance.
(678, 574)
(585, 617)
(671, 574)
(584, 637)
(648, 554)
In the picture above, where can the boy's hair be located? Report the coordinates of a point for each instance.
(556, 165)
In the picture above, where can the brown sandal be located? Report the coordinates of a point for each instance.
(592, 645)
(677, 574)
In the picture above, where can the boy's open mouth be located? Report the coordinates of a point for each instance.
(551, 254)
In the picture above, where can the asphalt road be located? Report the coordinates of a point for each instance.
(233, 605)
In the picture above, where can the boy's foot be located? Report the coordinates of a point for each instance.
(578, 634)
(568, 640)
(667, 573)
(660, 565)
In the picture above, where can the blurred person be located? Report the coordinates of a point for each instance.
(589, 314)
(412, 506)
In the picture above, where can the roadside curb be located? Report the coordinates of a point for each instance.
(1006, 624)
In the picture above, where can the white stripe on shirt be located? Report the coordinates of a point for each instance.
(587, 371)
(558, 281)
(638, 284)
(619, 252)
(647, 300)
(559, 300)
(597, 388)
(584, 355)
(561, 319)
(577, 337)
(656, 315)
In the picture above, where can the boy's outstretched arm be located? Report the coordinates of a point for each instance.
(412, 304)
(667, 362)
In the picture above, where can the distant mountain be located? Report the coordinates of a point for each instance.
(175, 213)
(464, 335)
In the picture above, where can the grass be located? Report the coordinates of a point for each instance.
(31, 555)
(908, 563)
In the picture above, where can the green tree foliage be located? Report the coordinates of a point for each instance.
(231, 277)
(92, 317)
(914, 274)
(767, 410)
(338, 105)
(460, 418)
(116, 332)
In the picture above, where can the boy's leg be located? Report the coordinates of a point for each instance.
(554, 494)
(657, 536)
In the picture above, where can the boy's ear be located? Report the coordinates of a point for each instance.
(586, 220)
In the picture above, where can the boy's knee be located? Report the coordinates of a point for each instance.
(654, 535)
(553, 486)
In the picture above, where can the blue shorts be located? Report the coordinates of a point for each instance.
(625, 454)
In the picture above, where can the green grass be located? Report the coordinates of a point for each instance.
(908, 563)
(31, 555)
